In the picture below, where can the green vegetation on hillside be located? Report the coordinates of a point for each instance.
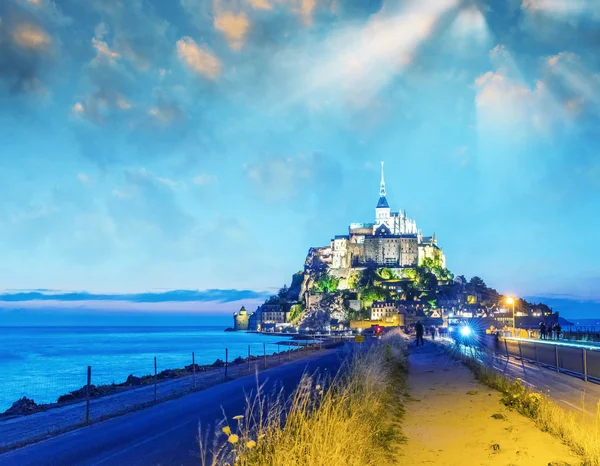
(326, 283)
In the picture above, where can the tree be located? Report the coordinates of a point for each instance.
(283, 292)
(410, 291)
(354, 279)
(368, 278)
(478, 284)
(326, 283)
(387, 274)
(411, 274)
(429, 282)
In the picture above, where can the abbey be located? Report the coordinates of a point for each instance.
(393, 241)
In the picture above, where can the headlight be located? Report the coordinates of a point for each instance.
(465, 331)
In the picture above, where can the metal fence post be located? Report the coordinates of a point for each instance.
(87, 394)
(289, 351)
(226, 361)
(520, 351)
(155, 378)
(585, 377)
(248, 358)
(265, 354)
(537, 359)
(194, 368)
(556, 355)
(278, 353)
(506, 348)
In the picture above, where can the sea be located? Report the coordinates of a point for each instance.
(43, 363)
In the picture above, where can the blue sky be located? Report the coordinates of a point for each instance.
(196, 144)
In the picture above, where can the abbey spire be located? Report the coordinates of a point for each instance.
(382, 184)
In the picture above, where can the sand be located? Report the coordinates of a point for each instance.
(446, 426)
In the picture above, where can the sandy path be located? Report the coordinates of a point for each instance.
(446, 426)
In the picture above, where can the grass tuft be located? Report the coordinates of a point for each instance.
(352, 420)
(579, 432)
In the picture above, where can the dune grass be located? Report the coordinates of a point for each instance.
(353, 419)
(580, 432)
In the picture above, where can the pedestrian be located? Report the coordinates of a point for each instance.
(432, 330)
(557, 329)
(419, 330)
(542, 330)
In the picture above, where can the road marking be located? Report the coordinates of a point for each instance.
(131, 447)
(573, 406)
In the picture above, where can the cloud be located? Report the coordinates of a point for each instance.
(212, 295)
(103, 51)
(144, 42)
(166, 112)
(562, 8)
(29, 46)
(205, 179)
(148, 203)
(572, 23)
(83, 178)
(356, 62)
(29, 36)
(198, 58)
(260, 4)
(283, 178)
(504, 101)
(234, 28)
(107, 85)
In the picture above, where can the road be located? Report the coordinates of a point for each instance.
(572, 393)
(166, 434)
(568, 391)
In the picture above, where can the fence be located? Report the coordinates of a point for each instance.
(95, 398)
(580, 361)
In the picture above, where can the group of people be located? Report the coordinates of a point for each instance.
(550, 331)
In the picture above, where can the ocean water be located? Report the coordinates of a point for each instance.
(45, 362)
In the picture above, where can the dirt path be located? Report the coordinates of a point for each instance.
(449, 421)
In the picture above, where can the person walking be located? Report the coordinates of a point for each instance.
(542, 330)
(432, 331)
(557, 329)
(419, 330)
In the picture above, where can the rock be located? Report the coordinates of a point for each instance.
(238, 360)
(133, 381)
(166, 374)
(218, 363)
(191, 368)
(472, 392)
(81, 393)
(23, 406)
(229, 329)
(498, 416)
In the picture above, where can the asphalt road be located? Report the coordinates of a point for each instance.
(166, 434)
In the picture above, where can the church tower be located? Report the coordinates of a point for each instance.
(382, 211)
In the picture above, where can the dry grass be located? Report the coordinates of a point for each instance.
(579, 432)
(351, 420)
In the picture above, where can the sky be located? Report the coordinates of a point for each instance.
(148, 146)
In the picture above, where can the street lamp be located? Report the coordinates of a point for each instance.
(510, 300)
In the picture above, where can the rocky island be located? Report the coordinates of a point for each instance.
(383, 273)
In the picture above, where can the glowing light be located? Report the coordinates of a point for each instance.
(510, 300)
(465, 331)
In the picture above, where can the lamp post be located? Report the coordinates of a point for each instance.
(511, 300)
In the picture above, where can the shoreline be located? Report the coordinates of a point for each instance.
(20, 430)
(26, 406)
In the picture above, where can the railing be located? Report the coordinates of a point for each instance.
(96, 398)
(579, 360)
